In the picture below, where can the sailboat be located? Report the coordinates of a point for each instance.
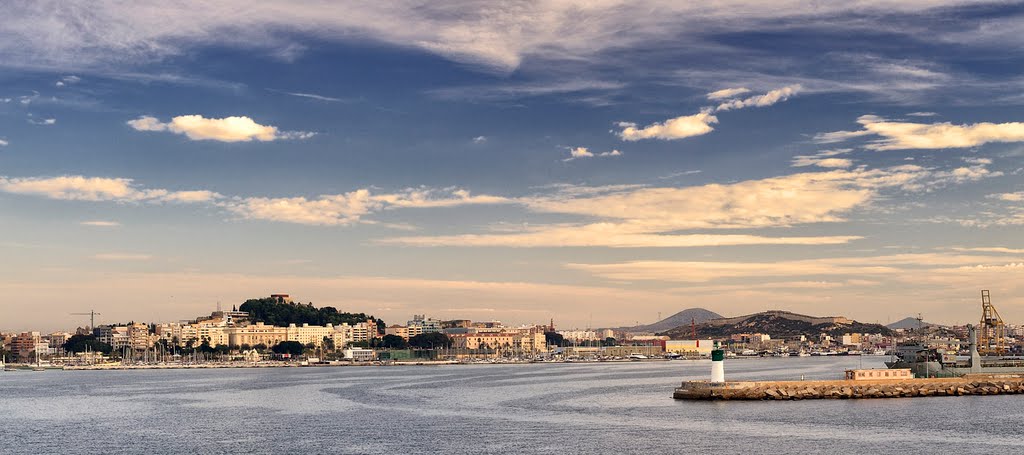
(39, 364)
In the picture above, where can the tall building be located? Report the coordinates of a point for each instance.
(424, 325)
(25, 345)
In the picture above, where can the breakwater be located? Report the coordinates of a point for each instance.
(849, 389)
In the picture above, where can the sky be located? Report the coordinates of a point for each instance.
(599, 163)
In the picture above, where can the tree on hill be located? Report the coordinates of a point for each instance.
(82, 343)
(430, 341)
(393, 342)
(272, 311)
(289, 347)
(554, 338)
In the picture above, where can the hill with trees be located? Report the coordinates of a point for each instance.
(681, 318)
(276, 311)
(777, 324)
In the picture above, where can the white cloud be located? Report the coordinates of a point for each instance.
(838, 136)
(147, 123)
(228, 129)
(44, 122)
(480, 139)
(580, 152)
(80, 188)
(351, 207)
(68, 80)
(824, 158)
(583, 152)
(192, 196)
(639, 216)
(1009, 197)
(4, 143)
(905, 135)
(700, 123)
(605, 235)
(675, 128)
(877, 267)
(922, 114)
(122, 257)
(727, 93)
(768, 99)
(314, 96)
(98, 223)
(103, 32)
(1003, 250)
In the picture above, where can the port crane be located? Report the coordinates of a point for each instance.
(92, 317)
(991, 331)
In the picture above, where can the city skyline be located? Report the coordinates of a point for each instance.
(595, 163)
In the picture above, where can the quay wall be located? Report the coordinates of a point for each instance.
(848, 389)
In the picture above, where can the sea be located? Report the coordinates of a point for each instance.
(568, 408)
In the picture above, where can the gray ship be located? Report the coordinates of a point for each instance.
(927, 362)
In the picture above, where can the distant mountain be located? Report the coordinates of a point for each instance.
(908, 323)
(778, 324)
(681, 318)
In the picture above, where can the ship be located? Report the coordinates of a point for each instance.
(927, 362)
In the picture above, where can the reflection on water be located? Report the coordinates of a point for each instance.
(570, 408)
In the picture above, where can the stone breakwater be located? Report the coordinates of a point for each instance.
(847, 389)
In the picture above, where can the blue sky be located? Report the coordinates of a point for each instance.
(593, 162)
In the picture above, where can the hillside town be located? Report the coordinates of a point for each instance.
(275, 331)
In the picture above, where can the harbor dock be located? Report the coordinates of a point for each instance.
(849, 388)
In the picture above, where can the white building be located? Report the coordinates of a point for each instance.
(359, 354)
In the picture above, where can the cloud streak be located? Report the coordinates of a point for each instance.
(350, 208)
(80, 188)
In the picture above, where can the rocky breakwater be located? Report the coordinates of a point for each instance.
(847, 389)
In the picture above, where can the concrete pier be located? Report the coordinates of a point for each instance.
(846, 389)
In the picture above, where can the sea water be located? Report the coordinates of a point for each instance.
(473, 409)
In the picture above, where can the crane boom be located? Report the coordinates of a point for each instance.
(92, 317)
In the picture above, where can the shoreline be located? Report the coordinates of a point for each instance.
(236, 365)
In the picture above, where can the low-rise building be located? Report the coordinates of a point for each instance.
(510, 342)
(689, 348)
(879, 374)
(359, 354)
(256, 334)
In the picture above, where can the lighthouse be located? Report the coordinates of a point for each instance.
(717, 364)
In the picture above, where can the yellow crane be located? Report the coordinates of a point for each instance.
(991, 331)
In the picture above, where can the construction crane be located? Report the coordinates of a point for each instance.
(991, 331)
(92, 317)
